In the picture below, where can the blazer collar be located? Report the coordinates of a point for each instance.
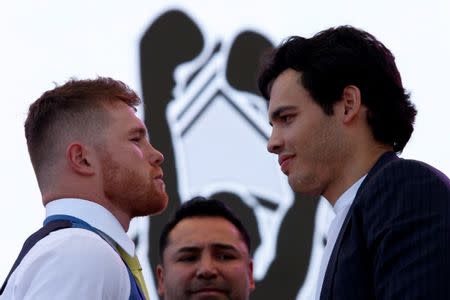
(384, 159)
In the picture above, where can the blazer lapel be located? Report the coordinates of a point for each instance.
(327, 286)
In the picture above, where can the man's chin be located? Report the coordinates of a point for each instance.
(303, 189)
(163, 201)
(155, 205)
(158, 202)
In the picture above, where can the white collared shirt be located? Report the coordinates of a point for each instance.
(74, 263)
(340, 208)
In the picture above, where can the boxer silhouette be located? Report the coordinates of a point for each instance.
(206, 116)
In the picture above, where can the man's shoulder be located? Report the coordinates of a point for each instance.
(74, 246)
(398, 170)
(402, 180)
(71, 262)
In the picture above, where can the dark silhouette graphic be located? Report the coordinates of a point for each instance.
(172, 41)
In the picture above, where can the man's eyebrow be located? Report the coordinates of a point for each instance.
(277, 112)
(188, 249)
(222, 246)
(139, 130)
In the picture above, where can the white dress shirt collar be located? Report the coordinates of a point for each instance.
(95, 215)
(340, 208)
(346, 199)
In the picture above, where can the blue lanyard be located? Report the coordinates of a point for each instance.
(135, 292)
(75, 221)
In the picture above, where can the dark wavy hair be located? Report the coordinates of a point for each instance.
(202, 207)
(342, 56)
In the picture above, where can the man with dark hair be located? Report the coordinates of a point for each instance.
(339, 114)
(205, 254)
(96, 170)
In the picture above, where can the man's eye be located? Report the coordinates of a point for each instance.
(225, 256)
(286, 118)
(136, 139)
(188, 258)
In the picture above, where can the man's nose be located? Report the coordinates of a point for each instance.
(274, 143)
(156, 157)
(207, 268)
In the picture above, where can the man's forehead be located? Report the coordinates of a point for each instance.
(204, 231)
(121, 112)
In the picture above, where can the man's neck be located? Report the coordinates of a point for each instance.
(123, 218)
(354, 168)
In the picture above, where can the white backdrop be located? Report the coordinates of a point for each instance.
(43, 42)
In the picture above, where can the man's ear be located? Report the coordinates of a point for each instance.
(160, 275)
(351, 103)
(78, 158)
(251, 280)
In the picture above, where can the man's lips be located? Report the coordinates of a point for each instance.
(204, 287)
(159, 175)
(284, 161)
(208, 291)
(158, 179)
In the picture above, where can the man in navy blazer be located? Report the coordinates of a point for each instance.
(339, 116)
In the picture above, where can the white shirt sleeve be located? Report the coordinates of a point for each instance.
(70, 264)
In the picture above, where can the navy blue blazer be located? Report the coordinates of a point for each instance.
(395, 240)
